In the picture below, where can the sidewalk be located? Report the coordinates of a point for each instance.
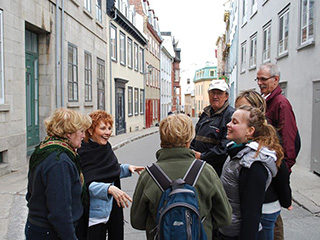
(13, 211)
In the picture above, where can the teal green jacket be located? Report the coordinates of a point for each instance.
(212, 199)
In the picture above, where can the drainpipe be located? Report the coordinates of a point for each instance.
(62, 54)
(237, 54)
(110, 62)
(58, 87)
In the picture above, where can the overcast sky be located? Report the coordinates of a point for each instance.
(197, 25)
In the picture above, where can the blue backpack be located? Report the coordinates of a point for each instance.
(178, 214)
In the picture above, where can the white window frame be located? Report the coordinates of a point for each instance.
(1, 61)
(122, 48)
(244, 13)
(307, 21)
(283, 32)
(87, 77)
(99, 10)
(129, 52)
(113, 42)
(136, 57)
(73, 69)
(87, 5)
(141, 55)
(254, 6)
(136, 101)
(266, 48)
(141, 101)
(243, 56)
(130, 101)
(253, 51)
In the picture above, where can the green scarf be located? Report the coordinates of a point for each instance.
(58, 145)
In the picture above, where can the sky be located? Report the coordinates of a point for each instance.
(197, 25)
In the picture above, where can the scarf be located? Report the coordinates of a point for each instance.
(59, 145)
(99, 163)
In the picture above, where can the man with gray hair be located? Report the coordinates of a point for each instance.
(279, 113)
(210, 141)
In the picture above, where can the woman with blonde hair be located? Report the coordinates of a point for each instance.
(55, 180)
(175, 158)
(253, 158)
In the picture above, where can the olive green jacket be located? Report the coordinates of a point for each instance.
(212, 199)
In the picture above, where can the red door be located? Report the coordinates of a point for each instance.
(148, 112)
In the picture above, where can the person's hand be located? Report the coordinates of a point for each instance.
(198, 154)
(120, 196)
(137, 169)
(290, 208)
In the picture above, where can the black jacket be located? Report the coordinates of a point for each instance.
(211, 132)
(279, 188)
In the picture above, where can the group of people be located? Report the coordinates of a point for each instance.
(74, 189)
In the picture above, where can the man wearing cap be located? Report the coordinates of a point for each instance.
(210, 141)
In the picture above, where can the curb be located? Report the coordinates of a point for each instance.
(129, 140)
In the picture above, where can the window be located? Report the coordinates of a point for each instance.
(88, 76)
(113, 42)
(176, 75)
(153, 109)
(99, 10)
(266, 43)
(254, 6)
(244, 11)
(129, 53)
(87, 5)
(136, 57)
(243, 56)
(141, 101)
(130, 102)
(122, 48)
(253, 51)
(307, 21)
(1, 61)
(141, 58)
(136, 101)
(100, 83)
(283, 32)
(72, 73)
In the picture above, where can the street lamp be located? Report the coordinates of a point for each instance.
(149, 69)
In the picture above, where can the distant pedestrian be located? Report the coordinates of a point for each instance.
(174, 158)
(55, 181)
(280, 114)
(210, 141)
(252, 163)
(278, 193)
(102, 173)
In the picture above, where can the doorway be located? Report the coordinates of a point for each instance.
(32, 90)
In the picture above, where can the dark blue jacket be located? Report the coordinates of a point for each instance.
(54, 195)
(211, 132)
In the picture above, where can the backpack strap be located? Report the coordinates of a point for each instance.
(159, 176)
(193, 172)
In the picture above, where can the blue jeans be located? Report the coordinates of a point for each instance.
(268, 221)
(34, 232)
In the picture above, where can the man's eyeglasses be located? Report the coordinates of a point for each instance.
(263, 79)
